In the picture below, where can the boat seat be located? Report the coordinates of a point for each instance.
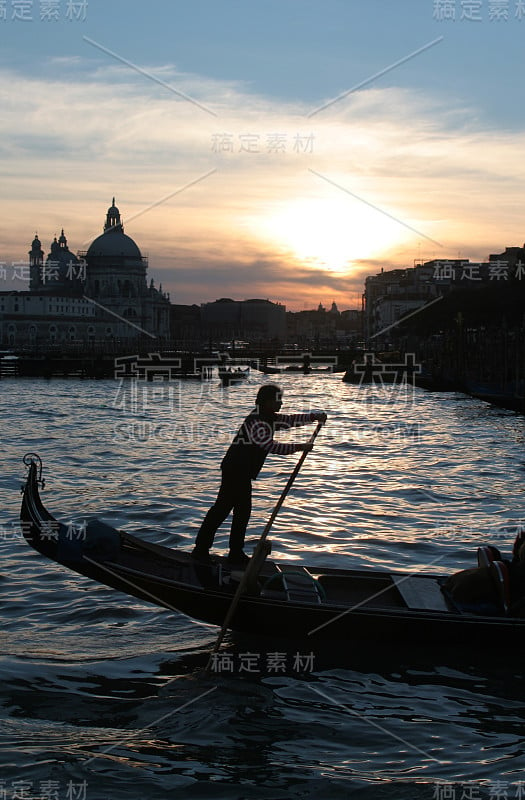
(295, 584)
(421, 593)
(257, 568)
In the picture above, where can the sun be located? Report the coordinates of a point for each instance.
(332, 233)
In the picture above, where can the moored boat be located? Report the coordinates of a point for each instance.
(296, 369)
(228, 376)
(510, 395)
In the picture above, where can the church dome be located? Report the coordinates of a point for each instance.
(113, 243)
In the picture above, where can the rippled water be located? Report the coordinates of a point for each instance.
(105, 697)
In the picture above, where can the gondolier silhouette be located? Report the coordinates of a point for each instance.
(242, 464)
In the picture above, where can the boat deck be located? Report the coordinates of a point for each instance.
(291, 582)
(362, 592)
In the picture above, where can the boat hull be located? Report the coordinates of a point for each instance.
(311, 604)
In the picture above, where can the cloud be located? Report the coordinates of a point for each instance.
(261, 224)
(266, 277)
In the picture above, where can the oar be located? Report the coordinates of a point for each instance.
(254, 560)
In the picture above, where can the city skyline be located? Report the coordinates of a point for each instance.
(240, 174)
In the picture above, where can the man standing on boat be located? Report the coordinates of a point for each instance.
(242, 464)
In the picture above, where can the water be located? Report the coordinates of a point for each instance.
(105, 697)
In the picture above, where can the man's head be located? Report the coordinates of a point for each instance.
(269, 398)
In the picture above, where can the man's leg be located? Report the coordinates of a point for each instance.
(215, 516)
(241, 514)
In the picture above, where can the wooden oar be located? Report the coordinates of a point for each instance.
(255, 559)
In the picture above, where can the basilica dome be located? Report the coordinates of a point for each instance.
(113, 243)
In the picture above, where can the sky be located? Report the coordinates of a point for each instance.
(282, 149)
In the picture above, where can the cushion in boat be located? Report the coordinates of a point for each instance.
(488, 554)
(500, 575)
(477, 589)
(474, 585)
(518, 550)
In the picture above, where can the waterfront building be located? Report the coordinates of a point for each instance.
(512, 256)
(116, 282)
(324, 328)
(96, 297)
(61, 272)
(314, 327)
(251, 320)
(29, 319)
(391, 295)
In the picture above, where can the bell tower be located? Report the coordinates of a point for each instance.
(36, 262)
(113, 219)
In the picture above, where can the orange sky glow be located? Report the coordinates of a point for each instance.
(262, 201)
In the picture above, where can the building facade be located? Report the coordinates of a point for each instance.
(252, 320)
(97, 297)
(391, 295)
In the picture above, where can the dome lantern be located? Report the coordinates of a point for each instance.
(113, 218)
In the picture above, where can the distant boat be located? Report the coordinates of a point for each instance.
(228, 376)
(270, 370)
(9, 366)
(373, 370)
(298, 369)
(508, 395)
(204, 374)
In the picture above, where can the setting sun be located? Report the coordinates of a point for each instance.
(332, 232)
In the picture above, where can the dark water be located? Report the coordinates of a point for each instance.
(105, 697)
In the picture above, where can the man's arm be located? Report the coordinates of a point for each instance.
(260, 432)
(295, 420)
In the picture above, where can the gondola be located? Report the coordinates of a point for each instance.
(283, 600)
(230, 376)
(296, 369)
